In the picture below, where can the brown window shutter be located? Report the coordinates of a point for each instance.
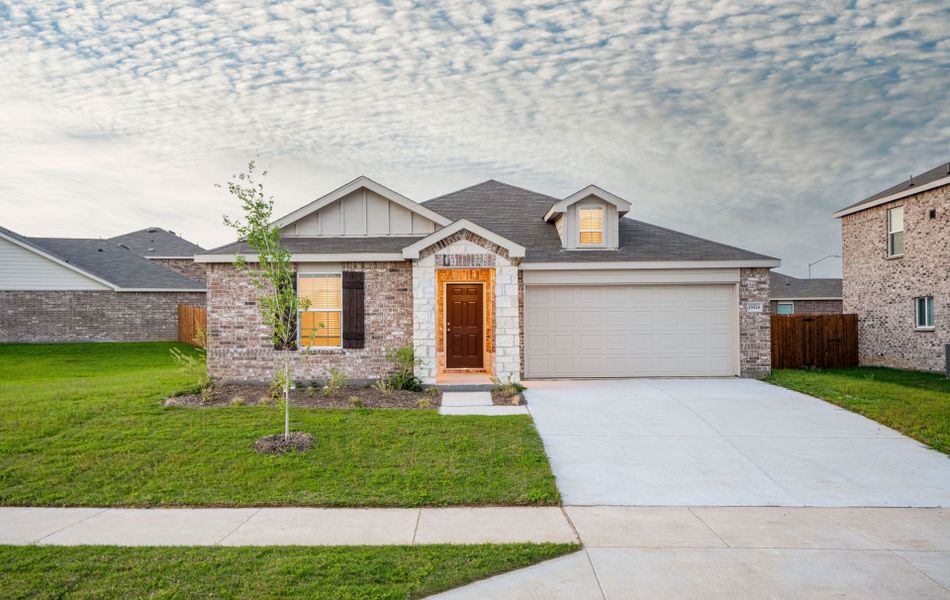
(354, 294)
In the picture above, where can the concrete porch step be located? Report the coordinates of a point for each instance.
(456, 398)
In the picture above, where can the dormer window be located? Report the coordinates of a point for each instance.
(591, 225)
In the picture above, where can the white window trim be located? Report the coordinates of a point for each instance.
(603, 226)
(338, 310)
(917, 324)
(777, 304)
(890, 247)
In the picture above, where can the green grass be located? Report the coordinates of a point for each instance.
(84, 425)
(916, 404)
(257, 572)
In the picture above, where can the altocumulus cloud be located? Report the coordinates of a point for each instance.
(747, 124)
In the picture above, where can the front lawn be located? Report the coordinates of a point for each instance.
(257, 572)
(916, 404)
(84, 425)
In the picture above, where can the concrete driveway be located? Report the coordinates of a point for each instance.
(725, 442)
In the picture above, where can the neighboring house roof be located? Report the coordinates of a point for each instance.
(935, 177)
(786, 287)
(518, 214)
(106, 262)
(155, 242)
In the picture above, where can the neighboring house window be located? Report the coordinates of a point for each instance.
(591, 220)
(925, 312)
(895, 231)
(785, 308)
(321, 324)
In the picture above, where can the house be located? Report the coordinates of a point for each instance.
(794, 296)
(81, 290)
(497, 280)
(165, 248)
(896, 266)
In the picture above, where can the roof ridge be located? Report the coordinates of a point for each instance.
(492, 180)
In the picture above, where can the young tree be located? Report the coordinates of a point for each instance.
(272, 272)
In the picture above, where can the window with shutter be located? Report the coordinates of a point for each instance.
(321, 324)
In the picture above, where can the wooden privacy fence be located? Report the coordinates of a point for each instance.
(192, 325)
(824, 341)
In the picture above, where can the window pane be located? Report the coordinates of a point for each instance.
(919, 304)
(591, 218)
(895, 219)
(930, 312)
(319, 328)
(896, 245)
(323, 291)
(786, 308)
(592, 237)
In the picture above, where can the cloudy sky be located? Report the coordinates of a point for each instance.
(748, 125)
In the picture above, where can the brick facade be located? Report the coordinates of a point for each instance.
(240, 348)
(811, 307)
(91, 316)
(184, 266)
(755, 329)
(881, 290)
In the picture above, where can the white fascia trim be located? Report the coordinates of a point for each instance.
(59, 262)
(169, 257)
(652, 264)
(338, 257)
(120, 290)
(896, 196)
(514, 250)
(360, 182)
(803, 299)
(623, 207)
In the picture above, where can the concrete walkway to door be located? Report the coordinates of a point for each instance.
(725, 442)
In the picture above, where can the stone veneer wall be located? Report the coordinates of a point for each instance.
(465, 250)
(184, 266)
(812, 307)
(240, 348)
(881, 290)
(91, 316)
(755, 329)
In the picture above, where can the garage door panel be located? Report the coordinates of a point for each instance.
(630, 330)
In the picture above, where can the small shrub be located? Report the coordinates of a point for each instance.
(507, 388)
(424, 402)
(276, 389)
(238, 401)
(356, 402)
(208, 389)
(403, 376)
(311, 390)
(335, 383)
(382, 385)
(432, 391)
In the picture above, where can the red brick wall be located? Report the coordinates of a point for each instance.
(755, 329)
(91, 316)
(240, 348)
(806, 307)
(881, 290)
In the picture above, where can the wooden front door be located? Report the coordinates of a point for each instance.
(463, 326)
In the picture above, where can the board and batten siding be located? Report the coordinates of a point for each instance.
(22, 269)
(361, 213)
(569, 227)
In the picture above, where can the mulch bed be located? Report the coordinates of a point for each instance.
(234, 394)
(499, 398)
(297, 441)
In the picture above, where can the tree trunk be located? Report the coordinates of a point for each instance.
(286, 395)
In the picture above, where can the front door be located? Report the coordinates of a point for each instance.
(463, 326)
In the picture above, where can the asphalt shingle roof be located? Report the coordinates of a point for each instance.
(328, 245)
(109, 261)
(155, 241)
(939, 172)
(518, 214)
(788, 287)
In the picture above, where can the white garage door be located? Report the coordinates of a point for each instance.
(630, 330)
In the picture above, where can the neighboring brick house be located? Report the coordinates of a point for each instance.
(495, 280)
(794, 296)
(167, 249)
(896, 253)
(82, 290)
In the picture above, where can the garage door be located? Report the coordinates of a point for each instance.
(630, 331)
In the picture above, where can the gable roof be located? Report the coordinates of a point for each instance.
(514, 250)
(786, 287)
(360, 182)
(928, 180)
(623, 207)
(106, 262)
(155, 242)
(518, 215)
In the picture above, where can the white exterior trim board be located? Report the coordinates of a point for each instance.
(514, 250)
(655, 264)
(326, 257)
(622, 205)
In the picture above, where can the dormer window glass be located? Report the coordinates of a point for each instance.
(590, 225)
